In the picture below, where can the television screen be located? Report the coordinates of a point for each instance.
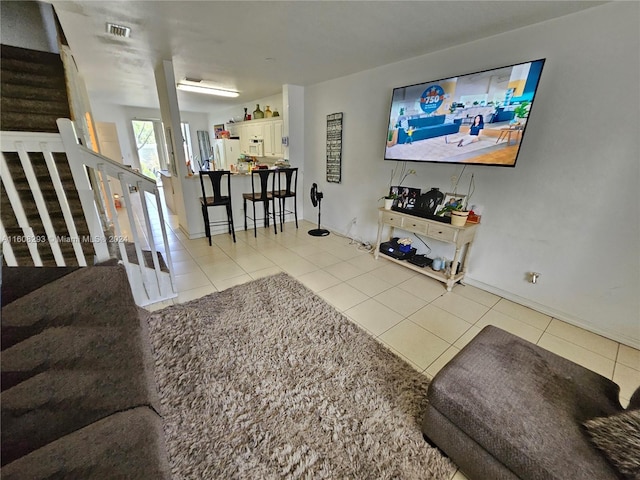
(479, 118)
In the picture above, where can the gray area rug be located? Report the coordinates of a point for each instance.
(266, 381)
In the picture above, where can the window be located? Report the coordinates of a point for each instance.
(151, 148)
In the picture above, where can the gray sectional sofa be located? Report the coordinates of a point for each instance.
(506, 409)
(428, 127)
(79, 398)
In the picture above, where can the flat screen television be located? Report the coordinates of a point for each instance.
(478, 119)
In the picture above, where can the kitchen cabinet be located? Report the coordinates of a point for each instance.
(241, 131)
(273, 138)
(269, 130)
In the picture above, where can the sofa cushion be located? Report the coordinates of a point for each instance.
(421, 122)
(634, 402)
(618, 436)
(525, 406)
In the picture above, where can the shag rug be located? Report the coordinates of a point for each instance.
(266, 381)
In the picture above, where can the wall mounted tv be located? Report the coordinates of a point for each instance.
(478, 118)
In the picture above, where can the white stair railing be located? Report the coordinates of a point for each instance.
(24, 144)
(92, 174)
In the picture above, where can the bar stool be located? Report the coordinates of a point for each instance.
(263, 196)
(217, 200)
(286, 186)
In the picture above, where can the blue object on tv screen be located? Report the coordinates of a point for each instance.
(477, 119)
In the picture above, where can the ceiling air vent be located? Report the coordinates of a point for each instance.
(118, 30)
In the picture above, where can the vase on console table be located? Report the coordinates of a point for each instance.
(459, 217)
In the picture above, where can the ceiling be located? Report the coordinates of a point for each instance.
(257, 46)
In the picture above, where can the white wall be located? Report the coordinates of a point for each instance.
(568, 210)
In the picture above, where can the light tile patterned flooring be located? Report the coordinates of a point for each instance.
(409, 313)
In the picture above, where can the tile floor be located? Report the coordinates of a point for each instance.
(411, 314)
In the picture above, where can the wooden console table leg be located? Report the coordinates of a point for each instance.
(453, 269)
(463, 270)
(380, 227)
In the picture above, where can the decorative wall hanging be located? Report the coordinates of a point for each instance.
(334, 147)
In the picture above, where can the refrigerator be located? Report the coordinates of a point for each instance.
(225, 152)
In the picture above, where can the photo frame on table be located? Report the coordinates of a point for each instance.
(406, 197)
(453, 200)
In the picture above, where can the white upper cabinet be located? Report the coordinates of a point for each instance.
(269, 130)
(273, 138)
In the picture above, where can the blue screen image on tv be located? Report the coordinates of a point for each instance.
(478, 118)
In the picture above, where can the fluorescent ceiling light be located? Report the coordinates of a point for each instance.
(199, 88)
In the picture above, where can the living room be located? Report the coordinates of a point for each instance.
(560, 183)
(551, 214)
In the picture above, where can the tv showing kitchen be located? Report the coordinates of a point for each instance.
(478, 118)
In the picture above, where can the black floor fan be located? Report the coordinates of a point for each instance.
(316, 199)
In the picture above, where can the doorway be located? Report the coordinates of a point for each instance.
(150, 146)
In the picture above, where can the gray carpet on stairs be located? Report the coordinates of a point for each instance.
(33, 96)
(266, 381)
(77, 353)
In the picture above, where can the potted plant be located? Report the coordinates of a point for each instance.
(521, 112)
(389, 199)
(393, 194)
(456, 206)
(458, 213)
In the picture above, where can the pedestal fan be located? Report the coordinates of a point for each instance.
(316, 199)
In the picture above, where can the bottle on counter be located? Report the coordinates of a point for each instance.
(257, 113)
(275, 112)
(245, 114)
(267, 112)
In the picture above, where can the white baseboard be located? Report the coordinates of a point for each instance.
(565, 317)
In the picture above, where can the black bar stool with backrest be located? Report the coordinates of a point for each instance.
(217, 200)
(286, 186)
(263, 196)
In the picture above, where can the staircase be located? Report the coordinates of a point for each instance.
(57, 203)
(33, 96)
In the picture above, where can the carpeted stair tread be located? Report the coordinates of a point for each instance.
(29, 92)
(127, 444)
(11, 52)
(70, 348)
(19, 281)
(58, 402)
(80, 376)
(101, 297)
(52, 67)
(30, 122)
(42, 107)
(147, 255)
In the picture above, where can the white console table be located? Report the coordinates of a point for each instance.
(461, 237)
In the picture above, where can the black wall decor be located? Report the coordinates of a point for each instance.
(334, 147)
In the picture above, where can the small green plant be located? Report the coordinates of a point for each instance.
(389, 196)
(521, 110)
(450, 208)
